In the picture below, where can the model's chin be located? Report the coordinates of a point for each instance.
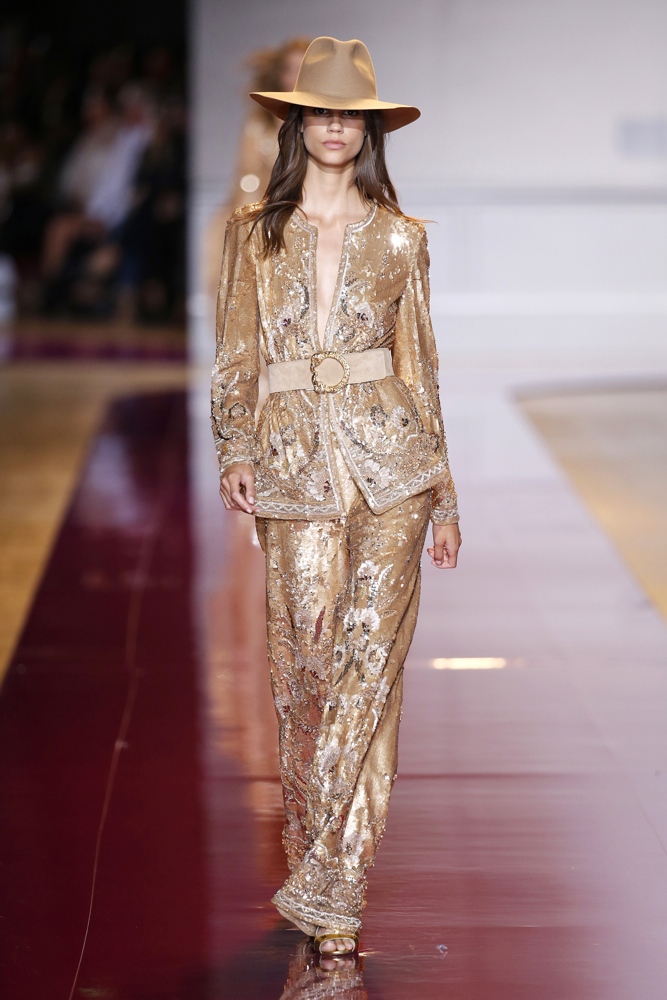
(333, 157)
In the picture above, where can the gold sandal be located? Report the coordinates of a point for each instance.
(336, 936)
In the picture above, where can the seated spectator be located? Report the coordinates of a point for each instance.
(73, 232)
(24, 210)
(111, 198)
(92, 178)
(82, 245)
(152, 272)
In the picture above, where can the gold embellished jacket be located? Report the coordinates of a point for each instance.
(389, 432)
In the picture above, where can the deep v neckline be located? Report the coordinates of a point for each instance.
(350, 228)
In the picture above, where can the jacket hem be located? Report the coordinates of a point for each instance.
(286, 510)
(418, 484)
(296, 511)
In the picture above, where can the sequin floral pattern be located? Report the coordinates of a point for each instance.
(341, 611)
(389, 432)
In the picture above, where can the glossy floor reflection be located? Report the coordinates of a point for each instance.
(612, 442)
(525, 852)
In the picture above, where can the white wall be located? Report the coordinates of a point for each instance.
(541, 152)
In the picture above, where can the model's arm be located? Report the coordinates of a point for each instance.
(236, 371)
(415, 360)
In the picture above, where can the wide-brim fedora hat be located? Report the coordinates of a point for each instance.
(340, 75)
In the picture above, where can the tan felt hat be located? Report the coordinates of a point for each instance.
(340, 75)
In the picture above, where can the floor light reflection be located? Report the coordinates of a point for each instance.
(469, 663)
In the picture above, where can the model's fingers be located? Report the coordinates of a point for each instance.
(431, 552)
(439, 553)
(444, 551)
(238, 493)
(248, 486)
(450, 555)
(231, 492)
(453, 545)
(226, 495)
(240, 502)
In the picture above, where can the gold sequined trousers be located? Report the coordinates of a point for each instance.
(342, 599)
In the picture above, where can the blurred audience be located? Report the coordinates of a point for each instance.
(92, 181)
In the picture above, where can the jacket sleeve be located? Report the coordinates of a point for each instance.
(234, 384)
(415, 361)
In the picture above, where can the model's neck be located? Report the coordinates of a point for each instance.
(330, 194)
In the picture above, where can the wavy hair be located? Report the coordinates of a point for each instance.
(285, 188)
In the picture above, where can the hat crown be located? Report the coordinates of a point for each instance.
(336, 74)
(337, 69)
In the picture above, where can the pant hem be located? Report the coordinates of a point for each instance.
(308, 918)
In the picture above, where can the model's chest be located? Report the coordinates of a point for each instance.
(316, 267)
(330, 287)
(329, 251)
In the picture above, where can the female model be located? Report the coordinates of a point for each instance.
(345, 468)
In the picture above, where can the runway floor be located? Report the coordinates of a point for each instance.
(525, 856)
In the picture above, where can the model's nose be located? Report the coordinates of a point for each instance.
(335, 125)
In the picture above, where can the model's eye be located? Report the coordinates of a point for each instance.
(352, 113)
(319, 111)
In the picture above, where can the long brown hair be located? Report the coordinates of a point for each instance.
(285, 188)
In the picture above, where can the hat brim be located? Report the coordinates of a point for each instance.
(279, 103)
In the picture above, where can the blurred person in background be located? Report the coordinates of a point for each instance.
(80, 176)
(24, 212)
(152, 270)
(273, 68)
(86, 141)
(82, 244)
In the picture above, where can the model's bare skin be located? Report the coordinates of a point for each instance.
(331, 201)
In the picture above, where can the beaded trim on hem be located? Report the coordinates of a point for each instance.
(296, 511)
(307, 916)
(309, 929)
(387, 499)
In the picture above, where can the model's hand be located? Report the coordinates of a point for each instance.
(446, 544)
(237, 487)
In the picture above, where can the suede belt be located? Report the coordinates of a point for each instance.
(329, 371)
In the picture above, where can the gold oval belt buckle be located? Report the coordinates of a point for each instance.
(317, 359)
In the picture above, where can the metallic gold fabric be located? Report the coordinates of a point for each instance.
(390, 431)
(342, 598)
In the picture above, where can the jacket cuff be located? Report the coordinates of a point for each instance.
(227, 460)
(437, 518)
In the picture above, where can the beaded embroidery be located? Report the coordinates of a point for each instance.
(390, 431)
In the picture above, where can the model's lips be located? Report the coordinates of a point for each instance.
(334, 144)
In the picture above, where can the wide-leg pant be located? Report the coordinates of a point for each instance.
(342, 599)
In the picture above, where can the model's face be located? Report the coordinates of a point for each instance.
(333, 138)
